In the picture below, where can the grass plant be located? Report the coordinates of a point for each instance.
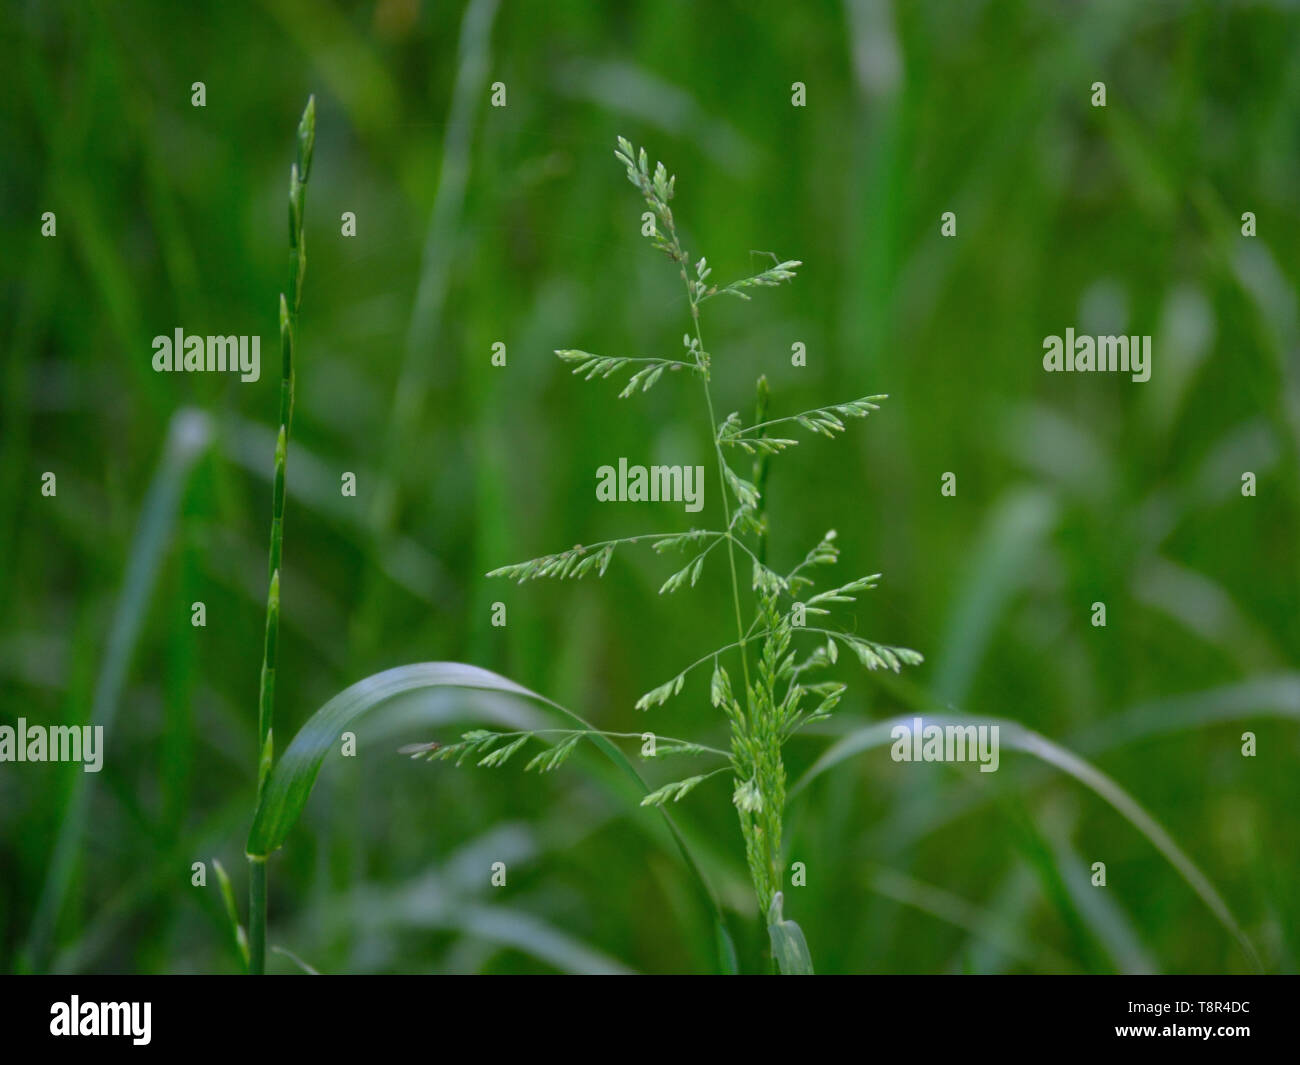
(289, 307)
(777, 653)
(786, 635)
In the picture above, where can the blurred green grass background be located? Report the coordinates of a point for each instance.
(478, 224)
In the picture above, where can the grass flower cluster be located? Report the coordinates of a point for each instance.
(777, 654)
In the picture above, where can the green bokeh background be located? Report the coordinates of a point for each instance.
(477, 225)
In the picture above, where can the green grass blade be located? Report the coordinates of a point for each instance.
(238, 935)
(437, 266)
(1016, 530)
(1019, 738)
(1106, 920)
(189, 435)
(290, 783)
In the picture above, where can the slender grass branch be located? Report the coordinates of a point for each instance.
(582, 559)
(820, 419)
(726, 505)
(850, 638)
(701, 359)
(418, 750)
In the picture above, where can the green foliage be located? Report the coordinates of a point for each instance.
(773, 705)
(291, 781)
(1016, 737)
(478, 224)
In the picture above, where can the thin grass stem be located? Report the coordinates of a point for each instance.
(289, 308)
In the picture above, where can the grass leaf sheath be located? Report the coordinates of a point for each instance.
(289, 307)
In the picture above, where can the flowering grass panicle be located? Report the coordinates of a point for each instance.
(777, 652)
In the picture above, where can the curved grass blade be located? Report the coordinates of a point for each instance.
(290, 783)
(293, 777)
(1019, 738)
(1268, 696)
(1273, 695)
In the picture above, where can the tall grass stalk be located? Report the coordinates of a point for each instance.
(289, 308)
(771, 706)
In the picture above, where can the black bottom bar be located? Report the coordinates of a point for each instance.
(1225, 1015)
